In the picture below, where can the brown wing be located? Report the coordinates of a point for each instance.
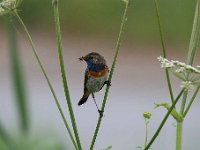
(86, 92)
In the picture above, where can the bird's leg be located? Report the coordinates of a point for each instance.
(108, 82)
(100, 111)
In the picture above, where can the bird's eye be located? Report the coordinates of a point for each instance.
(91, 57)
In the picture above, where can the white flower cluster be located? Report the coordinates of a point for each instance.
(188, 74)
(187, 85)
(7, 5)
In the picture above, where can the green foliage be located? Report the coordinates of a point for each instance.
(86, 17)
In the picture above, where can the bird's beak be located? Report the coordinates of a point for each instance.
(82, 58)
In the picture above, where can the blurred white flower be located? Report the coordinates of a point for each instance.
(8, 5)
(188, 74)
(165, 63)
(187, 85)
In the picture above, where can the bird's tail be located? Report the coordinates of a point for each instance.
(83, 99)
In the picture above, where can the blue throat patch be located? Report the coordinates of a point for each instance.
(95, 67)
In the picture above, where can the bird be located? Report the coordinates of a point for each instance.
(96, 75)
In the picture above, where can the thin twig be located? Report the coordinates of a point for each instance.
(163, 49)
(117, 48)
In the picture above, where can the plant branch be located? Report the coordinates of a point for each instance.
(164, 120)
(183, 102)
(117, 48)
(195, 36)
(191, 101)
(62, 67)
(163, 49)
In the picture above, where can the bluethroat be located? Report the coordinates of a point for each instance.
(96, 75)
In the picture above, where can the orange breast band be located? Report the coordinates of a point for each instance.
(99, 73)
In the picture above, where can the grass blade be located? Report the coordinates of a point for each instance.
(62, 67)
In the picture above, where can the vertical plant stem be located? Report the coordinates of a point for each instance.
(17, 75)
(146, 133)
(62, 67)
(45, 75)
(163, 49)
(191, 101)
(164, 120)
(160, 29)
(117, 48)
(183, 102)
(195, 36)
(179, 129)
(194, 40)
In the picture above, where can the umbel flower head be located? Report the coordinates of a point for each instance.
(189, 75)
(7, 6)
(147, 115)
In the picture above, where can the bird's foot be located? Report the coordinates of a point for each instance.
(100, 112)
(108, 82)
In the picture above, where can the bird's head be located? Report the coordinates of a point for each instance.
(94, 61)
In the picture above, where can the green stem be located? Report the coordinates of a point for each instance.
(117, 48)
(191, 101)
(146, 133)
(195, 36)
(183, 102)
(163, 49)
(164, 120)
(62, 67)
(179, 129)
(17, 75)
(45, 74)
(194, 41)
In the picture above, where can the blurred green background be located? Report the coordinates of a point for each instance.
(103, 17)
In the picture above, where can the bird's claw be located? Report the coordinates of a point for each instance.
(101, 112)
(108, 82)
